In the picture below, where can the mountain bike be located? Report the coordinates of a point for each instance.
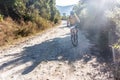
(74, 36)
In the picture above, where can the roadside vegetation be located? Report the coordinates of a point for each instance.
(21, 18)
(101, 21)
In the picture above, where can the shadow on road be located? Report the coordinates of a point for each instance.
(50, 50)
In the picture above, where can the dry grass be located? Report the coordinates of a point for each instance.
(11, 30)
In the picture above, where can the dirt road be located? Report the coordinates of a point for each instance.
(51, 56)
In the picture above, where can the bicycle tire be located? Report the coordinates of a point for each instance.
(74, 38)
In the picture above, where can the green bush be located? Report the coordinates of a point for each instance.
(41, 23)
(1, 18)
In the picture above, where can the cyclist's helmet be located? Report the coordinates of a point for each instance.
(71, 13)
(83, 1)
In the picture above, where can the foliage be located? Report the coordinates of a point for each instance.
(1, 18)
(114, 14)
(23, 9)
(12, 8)
(46, 9)
(100, 20)
(26, 17)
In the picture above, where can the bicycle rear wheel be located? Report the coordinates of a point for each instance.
(74, 37)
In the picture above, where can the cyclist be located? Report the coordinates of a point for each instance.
(74, 21)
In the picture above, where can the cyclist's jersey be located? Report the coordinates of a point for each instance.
(73, 19)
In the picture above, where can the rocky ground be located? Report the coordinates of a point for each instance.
(51, 56)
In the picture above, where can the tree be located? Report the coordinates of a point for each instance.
(24, 9)
(13, 8)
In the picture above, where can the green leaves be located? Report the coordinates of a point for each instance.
(46, 8)
(25, 9)
(1, 18)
